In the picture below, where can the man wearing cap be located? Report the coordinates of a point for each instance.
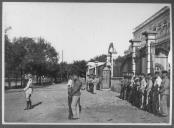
(122, 87)
(143, 85)
(70, 85)
(76, 97)
(95, 83)
(164, 94)
(28, 91)
(136, 98)
(156, 99)
(131, 92)
(148, 88)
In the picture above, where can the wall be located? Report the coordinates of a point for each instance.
(116, 84)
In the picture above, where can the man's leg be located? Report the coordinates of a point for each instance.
(69, 105)
(77, 108)
(80, 107)
(142, 101)
(163, 105)
(27, 101)
(30, 104)
(94, 88)
(74, 105)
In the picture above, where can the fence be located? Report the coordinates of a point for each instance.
(19, 83)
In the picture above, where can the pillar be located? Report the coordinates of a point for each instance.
(150, 38)
(95, 70)
(134, 44)
(114, 55)
(96, 65)
(108, 61)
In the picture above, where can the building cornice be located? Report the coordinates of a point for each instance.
(164, 9)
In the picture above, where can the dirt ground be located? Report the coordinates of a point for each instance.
(50, 106)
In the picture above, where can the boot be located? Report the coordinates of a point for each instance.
(27, 105)
(30, 105)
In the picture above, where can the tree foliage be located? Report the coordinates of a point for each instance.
(28, 55)
(100, 58)
(36, 56)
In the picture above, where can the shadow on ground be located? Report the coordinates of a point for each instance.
(37, 104)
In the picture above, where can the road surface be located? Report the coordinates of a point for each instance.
(50, 106)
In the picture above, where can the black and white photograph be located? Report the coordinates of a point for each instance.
(73, 63)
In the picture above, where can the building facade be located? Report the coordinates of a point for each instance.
(150, 46)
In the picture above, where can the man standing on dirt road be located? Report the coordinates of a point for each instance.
(28, 91)
(76, 97)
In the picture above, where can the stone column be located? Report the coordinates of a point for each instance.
(134, 44)
(150, 38)
(114, 56)
(96, 70)
(96, 65)
(108, 61)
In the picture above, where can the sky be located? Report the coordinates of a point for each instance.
(81, 30)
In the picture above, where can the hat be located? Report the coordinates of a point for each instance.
(157, 72)
(164, 71)
(29, 76)
(149, 74)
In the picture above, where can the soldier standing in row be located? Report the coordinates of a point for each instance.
(148, 89)
(142, 88)
(155, 97)
(95, 83)
(164, 94)
(131, 94)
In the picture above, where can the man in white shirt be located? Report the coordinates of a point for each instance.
(28, 91)
(70, 85)
(142, 88)
(148, 88)
(157, 85)
(95, 83)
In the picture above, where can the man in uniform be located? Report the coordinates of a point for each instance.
(148, 89)
(164, 94)
(142, 88)
(70, 85)
(125, 87)
(122, 88)
(156, 98)
(131, 92)
(28, 91)
(95, 83)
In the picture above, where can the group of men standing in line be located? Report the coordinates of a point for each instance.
(144, 91)
(93, 83)
(147, 92)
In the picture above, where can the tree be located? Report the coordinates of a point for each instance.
(27, 55)
(78, 67)
(100, 58)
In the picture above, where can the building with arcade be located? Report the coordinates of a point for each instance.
(149, 49)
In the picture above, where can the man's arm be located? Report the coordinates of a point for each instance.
(76, 88)
(28, 85)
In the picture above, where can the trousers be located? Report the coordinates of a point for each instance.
(163, 105)
(75, 106)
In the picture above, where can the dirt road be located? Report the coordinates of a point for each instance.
(50, 106)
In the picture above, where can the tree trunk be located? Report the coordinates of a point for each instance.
(21, 78)
(9, 82)
(39, 80)
(16, 81)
